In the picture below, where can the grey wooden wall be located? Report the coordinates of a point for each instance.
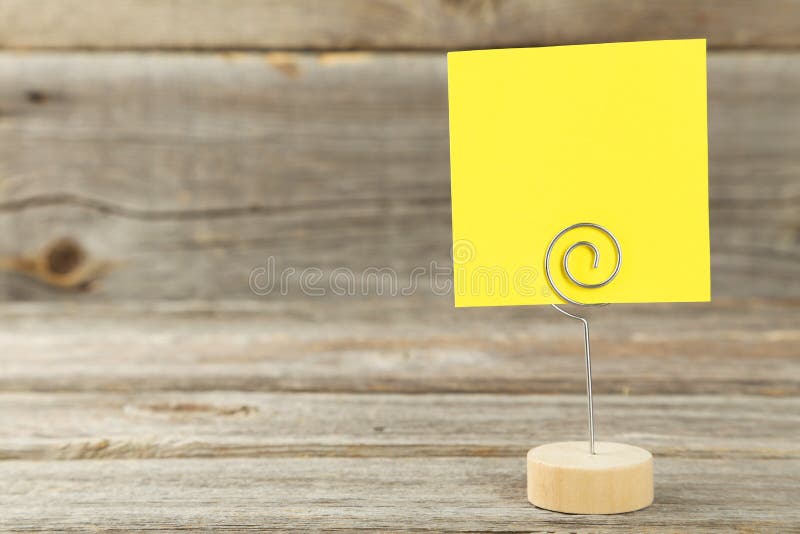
(154, 149)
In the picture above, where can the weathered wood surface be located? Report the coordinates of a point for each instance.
(175, 175)
(385, 494)
(729, 347)
(180, 174)
(389, 24)
(114, 426)
(367, 413)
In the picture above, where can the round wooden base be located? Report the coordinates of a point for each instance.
(564, 477)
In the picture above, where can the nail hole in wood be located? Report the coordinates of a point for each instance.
(35, 96)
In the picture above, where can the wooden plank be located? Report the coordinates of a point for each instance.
(181, 174)
(202, 453)
(389, 24)
(442, 494)
(235, 424)
(406, 345)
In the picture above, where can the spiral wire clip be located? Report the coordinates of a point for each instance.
(559, 292)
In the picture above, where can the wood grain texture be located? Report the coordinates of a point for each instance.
(180, 174)
(118, 426)
(246, 415)
(389, 24)
(397, 494)
(729, 347)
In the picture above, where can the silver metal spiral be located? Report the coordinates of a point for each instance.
(560, 293)
(595, 263)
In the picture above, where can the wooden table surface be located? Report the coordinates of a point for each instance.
(388, 414)
(161, 151)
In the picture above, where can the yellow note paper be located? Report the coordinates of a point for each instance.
(610, 134)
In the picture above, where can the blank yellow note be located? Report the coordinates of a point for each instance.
(610, 134)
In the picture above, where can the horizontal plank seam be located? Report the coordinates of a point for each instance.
(373, 50)
(199, 308)
(306, 450)
(109, 208)
(776, 390)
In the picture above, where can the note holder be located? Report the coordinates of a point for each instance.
(579, 477)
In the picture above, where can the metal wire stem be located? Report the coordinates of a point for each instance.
(565, 264)
(588, 351)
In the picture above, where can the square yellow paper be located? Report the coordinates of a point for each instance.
(612, 134)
